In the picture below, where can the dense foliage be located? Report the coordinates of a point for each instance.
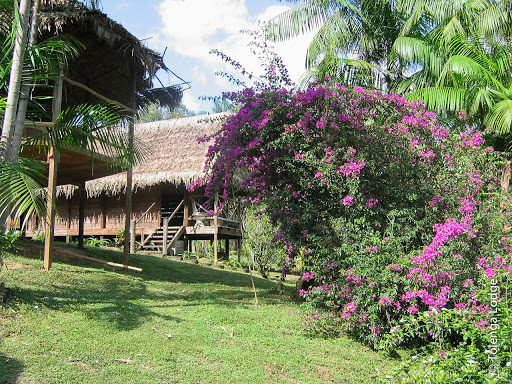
(395, 218)
(259, 244)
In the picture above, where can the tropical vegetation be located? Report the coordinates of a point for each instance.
(396, 219)
(452, 55)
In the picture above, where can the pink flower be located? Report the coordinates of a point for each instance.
(348, 200)
(384, 300)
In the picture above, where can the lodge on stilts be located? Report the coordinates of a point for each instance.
(166, 213)
(113, 67)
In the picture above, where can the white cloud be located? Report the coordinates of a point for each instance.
(271, 12)
(192, 28)
(191, 102)
(199, 75)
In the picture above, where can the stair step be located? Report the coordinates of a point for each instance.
(154, 244)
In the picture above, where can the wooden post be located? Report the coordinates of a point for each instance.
(185, 243)
(81, 215)
(227, 248)
(215, 232)
(132, 235)
(53, 160)
(129, 172)
(68, 221)
(239, 246)
(103, 221)
(186, 208)
(166, 233)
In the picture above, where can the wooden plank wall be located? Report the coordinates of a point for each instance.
(104, 215)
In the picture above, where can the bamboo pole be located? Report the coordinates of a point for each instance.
(110, 263)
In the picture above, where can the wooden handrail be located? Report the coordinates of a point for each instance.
(176, 210)
(144, 214)
(166, 222)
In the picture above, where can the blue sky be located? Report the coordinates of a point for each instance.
(190, 28)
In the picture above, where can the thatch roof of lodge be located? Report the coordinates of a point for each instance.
(175, 156)
(106, 63)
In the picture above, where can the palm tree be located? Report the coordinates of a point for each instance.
(16, 71)
(463, 64)
(354, 37)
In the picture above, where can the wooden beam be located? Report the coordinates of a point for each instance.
(96, 94)
(106, 262)
(38, 124)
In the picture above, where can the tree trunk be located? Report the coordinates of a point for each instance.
(25, 89)
(15, 81)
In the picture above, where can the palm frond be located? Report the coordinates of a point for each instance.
(21, 191)
(94, 129)
(499, 117)
(305, 18)
(338, 35)
(492, 20)
(418, 51)
(440, 98)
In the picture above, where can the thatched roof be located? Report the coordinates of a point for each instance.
(176, 155)
(106, 63)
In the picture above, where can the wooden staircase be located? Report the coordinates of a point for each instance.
(155, 242)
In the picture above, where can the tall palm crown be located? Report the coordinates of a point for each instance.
(464, 63)
(354, 37)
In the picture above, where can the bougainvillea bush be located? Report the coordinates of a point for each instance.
(395, 217)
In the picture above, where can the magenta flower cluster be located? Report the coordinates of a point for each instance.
(393, 214)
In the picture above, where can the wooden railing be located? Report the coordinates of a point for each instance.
(166, 222)
(229, 211)
(133, 226)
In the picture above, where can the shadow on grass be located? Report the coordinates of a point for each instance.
(10, 369)
(156, 268)
(117, 296)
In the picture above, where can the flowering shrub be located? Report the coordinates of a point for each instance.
(395, 215)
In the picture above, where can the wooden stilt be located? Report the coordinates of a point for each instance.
(129, 174)
(215, 232)
(81, 215)
(53, 160)
(133, 226)
(68, 221)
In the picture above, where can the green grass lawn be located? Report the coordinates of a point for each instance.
(175, 322)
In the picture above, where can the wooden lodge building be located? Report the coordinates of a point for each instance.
(165, 215)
